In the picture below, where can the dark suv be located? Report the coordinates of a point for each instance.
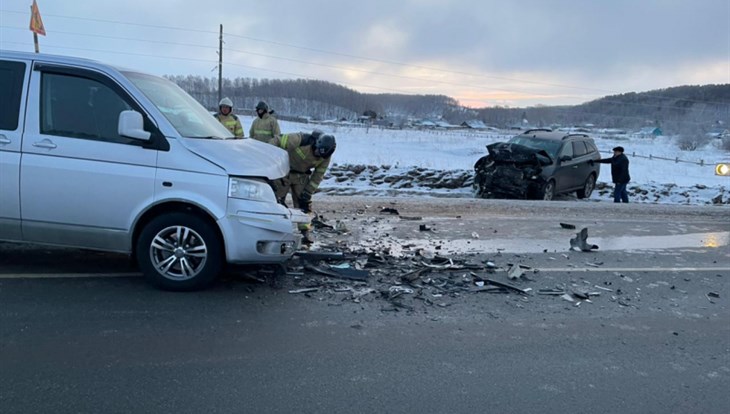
(538, 163)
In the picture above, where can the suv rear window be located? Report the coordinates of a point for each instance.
(591, 147)
(11, 89)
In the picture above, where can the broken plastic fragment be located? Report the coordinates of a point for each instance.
(580, 241)
(514, 272)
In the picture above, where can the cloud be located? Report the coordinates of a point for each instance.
(556, 51)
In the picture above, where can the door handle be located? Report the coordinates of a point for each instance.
(4, 139)
(46, 143)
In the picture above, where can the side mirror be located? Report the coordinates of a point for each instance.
(565, 158)
(131, 125)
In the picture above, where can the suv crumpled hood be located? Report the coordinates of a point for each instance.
(506, 152)
(242, 157)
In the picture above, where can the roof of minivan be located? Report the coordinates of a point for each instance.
(69, 60)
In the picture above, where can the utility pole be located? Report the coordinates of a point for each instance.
(220, 65)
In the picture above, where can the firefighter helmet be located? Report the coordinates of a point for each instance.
(325, 145)
(262, 106)
(226, 102)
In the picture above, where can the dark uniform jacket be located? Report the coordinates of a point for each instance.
(619, 168)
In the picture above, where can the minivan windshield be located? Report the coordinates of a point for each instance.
(550, 146)
(185, 114)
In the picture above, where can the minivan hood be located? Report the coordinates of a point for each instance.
(242, 157)
(501, 152)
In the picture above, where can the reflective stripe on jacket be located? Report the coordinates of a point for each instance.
(231, 123)
(265, 128)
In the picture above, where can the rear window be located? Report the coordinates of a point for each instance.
(11, 89)
(591, 147)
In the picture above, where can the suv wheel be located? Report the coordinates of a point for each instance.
(548, 191)
(588, 187)
(179, 252)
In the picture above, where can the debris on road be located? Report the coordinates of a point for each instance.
(567, 226)
(552, 292)
(303, 290)
(318, 256)
(347, 273)
(580, 241)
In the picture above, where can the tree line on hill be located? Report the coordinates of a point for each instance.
(683, 109)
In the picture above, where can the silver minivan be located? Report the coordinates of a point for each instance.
(105, 158)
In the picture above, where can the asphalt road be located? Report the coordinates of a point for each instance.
(77, 335)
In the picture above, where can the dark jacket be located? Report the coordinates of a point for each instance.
(619, 168)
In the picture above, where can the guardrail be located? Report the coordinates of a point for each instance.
(677, 160)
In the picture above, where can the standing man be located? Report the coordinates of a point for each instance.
(619, 174)
(265, 127)
(229, 120)
(309, 158)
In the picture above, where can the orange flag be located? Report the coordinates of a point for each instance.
(36, 24)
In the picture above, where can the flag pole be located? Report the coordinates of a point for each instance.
(35, 35)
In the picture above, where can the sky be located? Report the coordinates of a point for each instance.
(480, 52)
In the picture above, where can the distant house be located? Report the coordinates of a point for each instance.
(474, 124)
(650, 132)
(444, 125)
(719, 133)
(425, 123)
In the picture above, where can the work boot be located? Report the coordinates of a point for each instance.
(307, 238)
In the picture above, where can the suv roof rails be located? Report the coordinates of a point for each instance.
(575, 135)
(529, 131)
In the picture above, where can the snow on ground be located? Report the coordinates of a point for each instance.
(440, 163)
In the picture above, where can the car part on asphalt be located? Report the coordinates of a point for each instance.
(580, 241)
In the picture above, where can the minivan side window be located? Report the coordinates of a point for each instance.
(11, 89)
(74, 106)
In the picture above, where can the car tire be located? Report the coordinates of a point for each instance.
(548, 190)
(588, 187)
(180, 252)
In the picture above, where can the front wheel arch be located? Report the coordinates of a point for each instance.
(588, 187)
(548, 190)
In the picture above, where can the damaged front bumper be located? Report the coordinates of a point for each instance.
(510, 170)
(507, 181)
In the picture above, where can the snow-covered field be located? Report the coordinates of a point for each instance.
(448, 157)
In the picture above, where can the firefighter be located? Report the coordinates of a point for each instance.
(309, 158)
(265, 127)
(229, 120)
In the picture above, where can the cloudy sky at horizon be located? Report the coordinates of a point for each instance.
(481, 52)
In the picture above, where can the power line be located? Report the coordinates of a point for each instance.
(338, 53)
(117, 52)
(330, 66)
(390, 62)
(118, 38)
(350, 85)
(154, 26)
